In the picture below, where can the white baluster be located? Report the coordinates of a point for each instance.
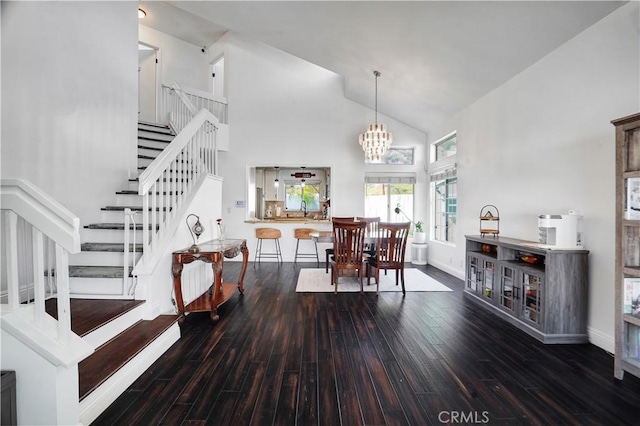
(11, 235)
(38, 274)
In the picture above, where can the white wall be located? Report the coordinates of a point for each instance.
(69, 99)
(543, 143)
(288, 112)
(178, 61)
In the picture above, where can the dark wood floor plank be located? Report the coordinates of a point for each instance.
(280, 357)
(286, 411)
(200, 377)
(327, 389)
(264, 410)
(307, 407)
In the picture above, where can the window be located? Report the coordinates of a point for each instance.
(296, 193)
(446, 147)
(382, 193)
(445, 208)
(444, 188)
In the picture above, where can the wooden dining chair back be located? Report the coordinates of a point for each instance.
(348, 251)
(329, 251)
(391, 245)
(372, 229)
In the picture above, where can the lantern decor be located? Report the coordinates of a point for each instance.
(195, 230)
(489, 221)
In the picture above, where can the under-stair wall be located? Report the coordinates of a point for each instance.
(154, 282)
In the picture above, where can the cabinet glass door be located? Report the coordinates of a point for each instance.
(487, 282)
(472, 273)
(531, 297)
(507, 281)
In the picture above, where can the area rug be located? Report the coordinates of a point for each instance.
(316, 280)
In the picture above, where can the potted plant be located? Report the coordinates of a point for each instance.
(419, 235)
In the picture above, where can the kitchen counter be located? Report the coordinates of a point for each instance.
(280, 220)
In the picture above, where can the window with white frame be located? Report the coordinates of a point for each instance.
(444, 188)
(296, 192)
(382, 193)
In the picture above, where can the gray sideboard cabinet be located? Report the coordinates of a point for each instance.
(539, 290)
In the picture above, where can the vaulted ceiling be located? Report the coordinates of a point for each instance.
(436, 57)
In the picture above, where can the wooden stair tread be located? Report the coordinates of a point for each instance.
(109, 247)
(89, 314)
(135, 192)
(121, 208)
(84, 271)
(113, 355)
(116, 226)
(150, 148)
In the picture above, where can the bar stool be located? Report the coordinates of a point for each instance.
(303, 234)
(268, 234)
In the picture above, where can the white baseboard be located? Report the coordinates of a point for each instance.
(458, 273)
(601, 340)
(101, 398)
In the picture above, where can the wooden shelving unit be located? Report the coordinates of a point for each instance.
(627, 250)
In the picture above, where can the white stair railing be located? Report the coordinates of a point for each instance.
(39, 233)
(167, 182)
(180, 104)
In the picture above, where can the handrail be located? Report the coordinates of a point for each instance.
(191, 100)
(203, 94)
(169, 179)
(45, 213)
(153, 172)
(46, 217)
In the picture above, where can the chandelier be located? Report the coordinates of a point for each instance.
(376, 140)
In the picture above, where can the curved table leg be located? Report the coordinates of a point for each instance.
(245, 259)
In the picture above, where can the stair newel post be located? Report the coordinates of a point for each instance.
(127, 242)
(145, 223)
(62, 286)
(38, 274)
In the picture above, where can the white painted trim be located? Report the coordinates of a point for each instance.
(44, 337)
(114, 327)
(42, 211)
(100, 399)
(447, 268)
(601, 340)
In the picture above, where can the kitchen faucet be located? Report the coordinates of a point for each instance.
(303, 207)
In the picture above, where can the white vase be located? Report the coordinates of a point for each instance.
(420, 237)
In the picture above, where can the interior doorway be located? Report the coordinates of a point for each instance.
(217, 77)
(147, 83)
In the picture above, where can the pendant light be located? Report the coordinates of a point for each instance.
(276, 182)
(376, 140)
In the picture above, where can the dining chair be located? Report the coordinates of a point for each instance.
(329, 251)
(348, 251)
(391, 245)
(372, 229)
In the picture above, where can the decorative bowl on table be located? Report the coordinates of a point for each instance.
(529, 258)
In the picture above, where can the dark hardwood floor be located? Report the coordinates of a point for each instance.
(278, 357)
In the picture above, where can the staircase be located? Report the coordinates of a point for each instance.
(103, 308)
(98, 270)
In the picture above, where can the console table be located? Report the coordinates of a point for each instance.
(209, 252)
